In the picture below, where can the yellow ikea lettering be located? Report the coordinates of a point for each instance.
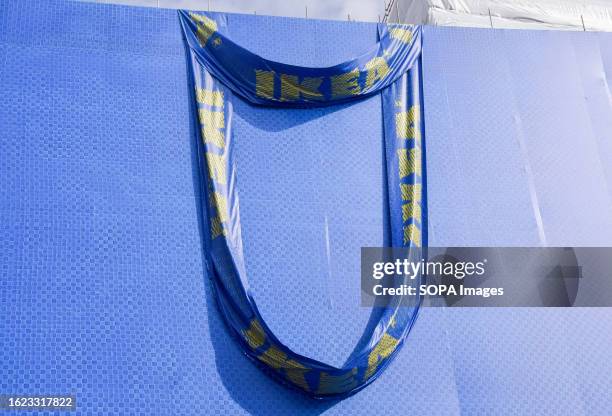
(220, 203)
(292, 89)
(255, 335)
(403, 35)
(346, 84)
(275, 358)
(383, 349)
(212, 122)
(296, 374)
(407, 123)
(216, 167)
(412, 234)
(210, 97)
(411, 210)
(294, 371)
(409, 161)
(377, 69)
(264, 84)
(206, 27)
(216, 228)
(329, 384)
(411, 192)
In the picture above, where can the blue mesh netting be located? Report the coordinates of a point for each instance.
(102, 288)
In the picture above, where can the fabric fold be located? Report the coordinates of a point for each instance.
(222, 72)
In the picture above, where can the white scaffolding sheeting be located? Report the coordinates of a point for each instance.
(592, 15)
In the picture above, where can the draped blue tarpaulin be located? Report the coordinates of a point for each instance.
(222, 69)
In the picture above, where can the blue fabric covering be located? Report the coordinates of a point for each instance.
(223, 71)
(102, 288)
(262, 81)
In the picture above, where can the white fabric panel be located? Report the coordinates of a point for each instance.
(511, 14)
